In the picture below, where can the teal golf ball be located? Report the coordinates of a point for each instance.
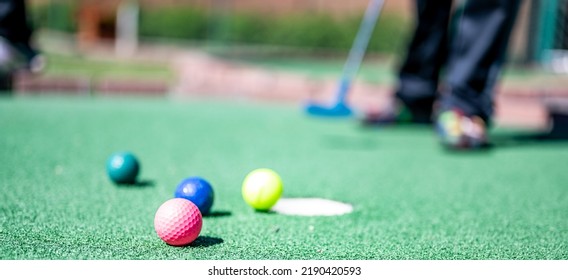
(123, 168)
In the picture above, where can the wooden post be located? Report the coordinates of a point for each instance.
(89, 17)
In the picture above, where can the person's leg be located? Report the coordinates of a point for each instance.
(8, 64)
(16, 52)
(419, 72)
(16, 30)
(14, 26)
(477, 55)
(5, 83)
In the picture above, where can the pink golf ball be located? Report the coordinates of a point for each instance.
(178, 222)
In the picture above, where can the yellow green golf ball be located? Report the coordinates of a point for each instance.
(262, 188)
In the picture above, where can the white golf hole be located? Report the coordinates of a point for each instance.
(311, 207)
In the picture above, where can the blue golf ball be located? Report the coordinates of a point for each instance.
(123, 168)
(198, 191)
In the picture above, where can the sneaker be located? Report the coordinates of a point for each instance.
(396, 112)
(458, 131)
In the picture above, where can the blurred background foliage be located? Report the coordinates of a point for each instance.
(301, 29)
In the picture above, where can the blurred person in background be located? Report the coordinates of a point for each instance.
(16, 52)
(470, 51)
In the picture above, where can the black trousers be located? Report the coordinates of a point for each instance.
(14, 26)
(471, 53)
(15, 34)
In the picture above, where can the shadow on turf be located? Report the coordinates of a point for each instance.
(218, 214)
(140, 184)
(527, 139)
(477, 151)
(206, 241)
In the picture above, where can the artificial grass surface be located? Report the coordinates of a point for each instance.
(96, 68)
(412, 199)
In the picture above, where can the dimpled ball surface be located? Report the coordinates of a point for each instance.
(262, 188)
(123, 168)
(178, 222)
(198, 191)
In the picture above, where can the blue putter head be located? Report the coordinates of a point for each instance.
(339, 110)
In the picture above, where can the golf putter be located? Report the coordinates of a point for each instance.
(352, 65)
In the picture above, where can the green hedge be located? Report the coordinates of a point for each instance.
(59, 15)
(304, 30)
(174, 23)
(311, 31)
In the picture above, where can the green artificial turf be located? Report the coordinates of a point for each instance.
(412, 199)
(97, 68)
